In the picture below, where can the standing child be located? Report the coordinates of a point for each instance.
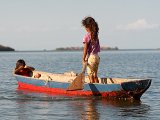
(91, 48)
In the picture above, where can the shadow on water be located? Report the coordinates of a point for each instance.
(85, 108)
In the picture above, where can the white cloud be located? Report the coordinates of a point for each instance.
(140, 24)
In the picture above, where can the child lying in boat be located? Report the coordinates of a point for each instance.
(22, 69)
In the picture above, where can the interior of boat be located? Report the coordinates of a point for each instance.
(70, 76)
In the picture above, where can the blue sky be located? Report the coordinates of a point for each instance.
(48, 24)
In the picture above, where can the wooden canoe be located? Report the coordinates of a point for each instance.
(117, 88)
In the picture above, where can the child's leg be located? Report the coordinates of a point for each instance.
(90, 75)
(92, 68)
(96, 69)
(91, 78)
(95, 77)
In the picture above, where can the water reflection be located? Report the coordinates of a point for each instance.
(30, 105)
(114, 109)
(90, 111)
(21, 102)
(128, 108)
(84, 108)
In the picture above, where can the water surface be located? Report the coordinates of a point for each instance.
(27, 105)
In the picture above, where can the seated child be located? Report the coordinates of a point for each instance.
(22, 69)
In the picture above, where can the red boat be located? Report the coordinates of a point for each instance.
(119, 88)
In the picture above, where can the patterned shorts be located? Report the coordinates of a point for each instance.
(93, 63)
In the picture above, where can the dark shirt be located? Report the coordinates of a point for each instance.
(25, 72)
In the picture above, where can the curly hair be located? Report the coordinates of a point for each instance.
(91, 24)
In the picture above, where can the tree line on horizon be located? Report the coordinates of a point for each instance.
(81, 48)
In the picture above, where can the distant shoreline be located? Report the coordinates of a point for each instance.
(6, 48)
(81, 50)
(71, 49)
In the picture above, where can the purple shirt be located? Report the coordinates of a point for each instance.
(93, 48)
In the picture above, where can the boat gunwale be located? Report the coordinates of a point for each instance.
(52, 80)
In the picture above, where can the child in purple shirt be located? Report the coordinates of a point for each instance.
(91, 48)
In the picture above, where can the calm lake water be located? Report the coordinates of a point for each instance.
(24, 105)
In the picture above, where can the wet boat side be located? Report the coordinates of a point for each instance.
(124, 90)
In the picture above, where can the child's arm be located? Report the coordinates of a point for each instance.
(84, 53)
(18, 69)
(31, 68)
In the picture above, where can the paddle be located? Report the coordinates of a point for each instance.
(78, 82)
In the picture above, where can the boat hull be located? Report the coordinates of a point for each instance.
(126, 90)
